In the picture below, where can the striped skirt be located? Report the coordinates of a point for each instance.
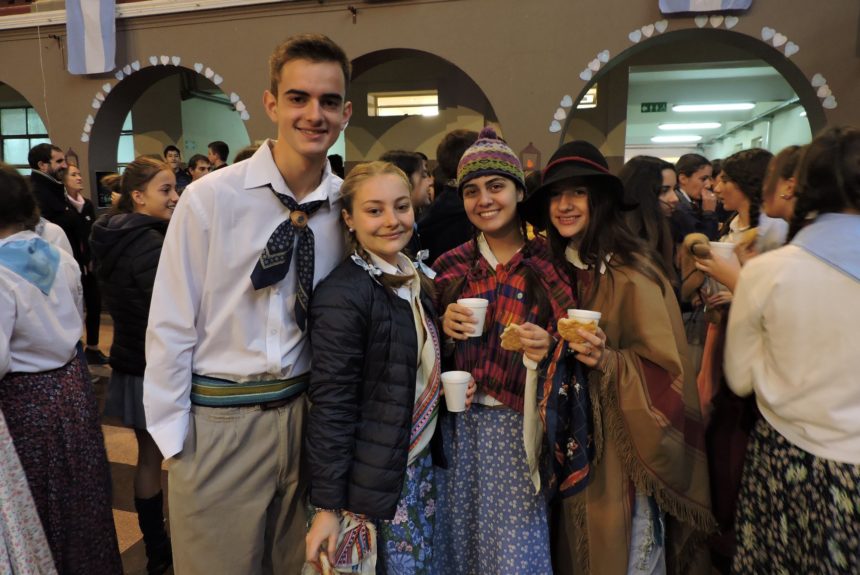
(54, 422)
(490, 520)
(797, 513)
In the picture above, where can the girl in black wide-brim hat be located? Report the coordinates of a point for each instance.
(649, 483)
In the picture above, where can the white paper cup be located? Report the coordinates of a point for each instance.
(585, 319)
(479, 312)
(455, 384)
(725, 250)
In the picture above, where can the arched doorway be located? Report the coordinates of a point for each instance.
(21, 128)
(641, 85)
(159, 106)
(432, 95)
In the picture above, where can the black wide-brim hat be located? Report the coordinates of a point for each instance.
(577, 159)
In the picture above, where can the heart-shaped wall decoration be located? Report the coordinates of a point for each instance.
(603, 56)
(716, 21)
(560, 114)
(823, 91)
(586, 75)
(198, 67)
(635, 36)
(767, 33)
(731, 22)
(661, 26)
(779, 39)
(700, 21)
(555, 127)
(175, 60)
(791, 49)
(153, 60)
(648, 30)
(829, 102)
(818, 80)
(566, 101)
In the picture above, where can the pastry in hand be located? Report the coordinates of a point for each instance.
(511, 338)
(567, 329)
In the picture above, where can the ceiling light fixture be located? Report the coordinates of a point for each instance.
(726, 107)
(691, 126)
(680, 139)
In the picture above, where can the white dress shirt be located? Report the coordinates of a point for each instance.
(39, 332)
(205, 316)
(792, 340)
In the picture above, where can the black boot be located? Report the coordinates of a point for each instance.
(150, 517)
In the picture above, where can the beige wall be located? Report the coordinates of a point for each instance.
(523, 55)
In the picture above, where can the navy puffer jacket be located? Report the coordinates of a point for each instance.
(362, 392)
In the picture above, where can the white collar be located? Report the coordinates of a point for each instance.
(572, 255)
(484, 250)
(263, 172)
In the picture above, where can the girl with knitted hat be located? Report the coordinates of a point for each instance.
(647, 504)
(493, 496)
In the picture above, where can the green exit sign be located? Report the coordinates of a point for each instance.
(648, 107)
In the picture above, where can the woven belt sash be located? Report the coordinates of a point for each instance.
(214, 392)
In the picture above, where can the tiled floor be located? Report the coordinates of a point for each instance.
(122, 454)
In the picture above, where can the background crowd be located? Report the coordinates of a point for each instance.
(281, 330)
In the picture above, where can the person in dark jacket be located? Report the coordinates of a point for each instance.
(45, 161)
(84, 216)
(127, 244)
(444, 225)
(375, 386)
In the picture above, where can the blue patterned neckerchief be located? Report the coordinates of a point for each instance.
(274, 262)
(33, 259)
(834, 239)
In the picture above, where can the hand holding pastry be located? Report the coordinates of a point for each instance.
(535, 341)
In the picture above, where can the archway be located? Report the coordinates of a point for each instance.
(692, 47)
(21, 128)
(460, 103)
(169, 104)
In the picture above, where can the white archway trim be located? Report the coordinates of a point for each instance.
(162, 60)
(769, 36)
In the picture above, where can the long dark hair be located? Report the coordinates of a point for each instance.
(748, 170)
(605, 235)
(828, 177)
(642, 177)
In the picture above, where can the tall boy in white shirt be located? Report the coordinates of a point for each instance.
(227, 350)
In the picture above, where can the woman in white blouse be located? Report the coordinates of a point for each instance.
(792, 336)
(45, 390)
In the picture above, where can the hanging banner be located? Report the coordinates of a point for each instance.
(675, 6)
(91, 36)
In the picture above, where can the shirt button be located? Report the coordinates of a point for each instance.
(520, 295)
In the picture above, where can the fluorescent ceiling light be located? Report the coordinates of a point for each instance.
(727, 107)
(691, 126)
(685, 138)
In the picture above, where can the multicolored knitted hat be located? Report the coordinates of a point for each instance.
(487, 156)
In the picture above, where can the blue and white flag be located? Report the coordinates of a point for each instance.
(91, 36)
(673, 6)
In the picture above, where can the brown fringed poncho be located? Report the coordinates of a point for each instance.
(648, 433)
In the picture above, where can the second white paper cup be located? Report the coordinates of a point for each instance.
(479, 309)
(455, 384)
(725, 250)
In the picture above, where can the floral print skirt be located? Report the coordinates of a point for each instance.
(490, 519)
(54, 423)
(23, 548)
(405, 543)
(797, 513)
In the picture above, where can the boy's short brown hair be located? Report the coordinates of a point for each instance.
(312, 47)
